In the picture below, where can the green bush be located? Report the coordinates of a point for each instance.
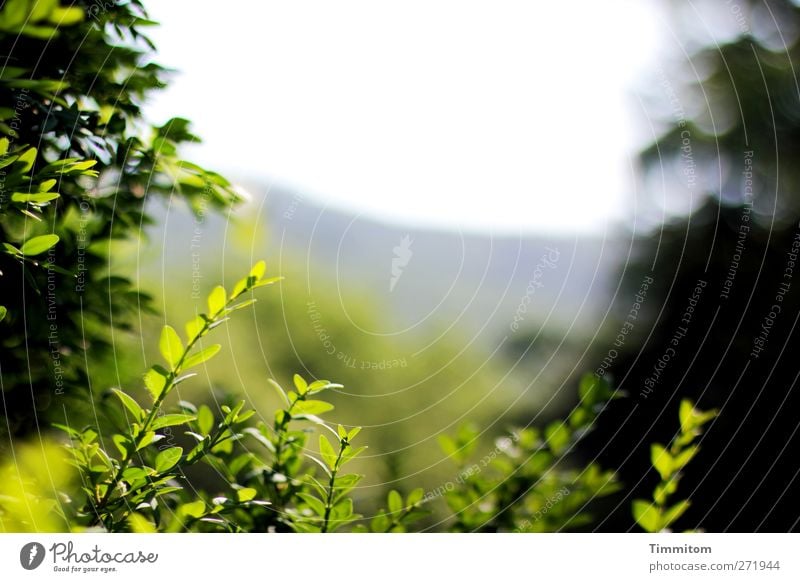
(136, 479)
(77, 169)
(77, 166)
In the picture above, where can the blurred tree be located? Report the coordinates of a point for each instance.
(78, 165)
(717, 321)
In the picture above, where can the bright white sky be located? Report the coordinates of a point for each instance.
(498, 116)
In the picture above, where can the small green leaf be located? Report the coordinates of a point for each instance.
(193, 509)
(34, 198)
(557, 435)
(3, 312)
(300, 384)
(326, 450)
(350, 453)
(66, 16)
(394, 501)
(27, 158)
(380, 523)
(194, 327)
(647, 515)
(258, 270)
(82, 165)
(240, 287)
(148, 438)
(311, 407)
(315, 504)
(415, 497)
(201, 356)
(122, 444)
(155, 381)
(168, 458)
(320, 385)
(279, 390)
(674, 512)
(682, 459)
(171, 420)
(130, 404)
(205, 419)
(686, 414)
(170, 345)
(217, 300)
(661, 460)
(140, 524)
(39, 244)
(246, 494)
(47, 185)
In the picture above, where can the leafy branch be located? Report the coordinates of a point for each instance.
(658, 515)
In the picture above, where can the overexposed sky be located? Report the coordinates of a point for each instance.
(497, 116)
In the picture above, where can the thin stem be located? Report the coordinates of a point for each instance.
(331, 487)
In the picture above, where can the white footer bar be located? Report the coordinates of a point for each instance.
(357, 557)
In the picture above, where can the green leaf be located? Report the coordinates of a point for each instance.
(243, 304)
(3, 312)
(34, 198)
(300, 384)
(171, 420)
(343, 509)
(201, 356)
(193, 509)
(130, 404)
(170, 346)
(327, 451)
(320, 385)
(27, 158)
(686, 414)
(351, 453)
(557, 435)
(258, 270)
(674, 512)
(140, 524)
(66, 16)
(647, 515)
(590, 390)
(314, 503)
(682, 459)
(415, 496)
(47, 185)
(217, 300)
(148, 438)
(168, 458)
(311, 407)
(194, 327)
(246, 494)
(691, 418)
(122, 444)
(661, 460)
(205, 419)
(394, 502)
(155, 380)
(380, 523)
(82, 165)
(39, 244)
